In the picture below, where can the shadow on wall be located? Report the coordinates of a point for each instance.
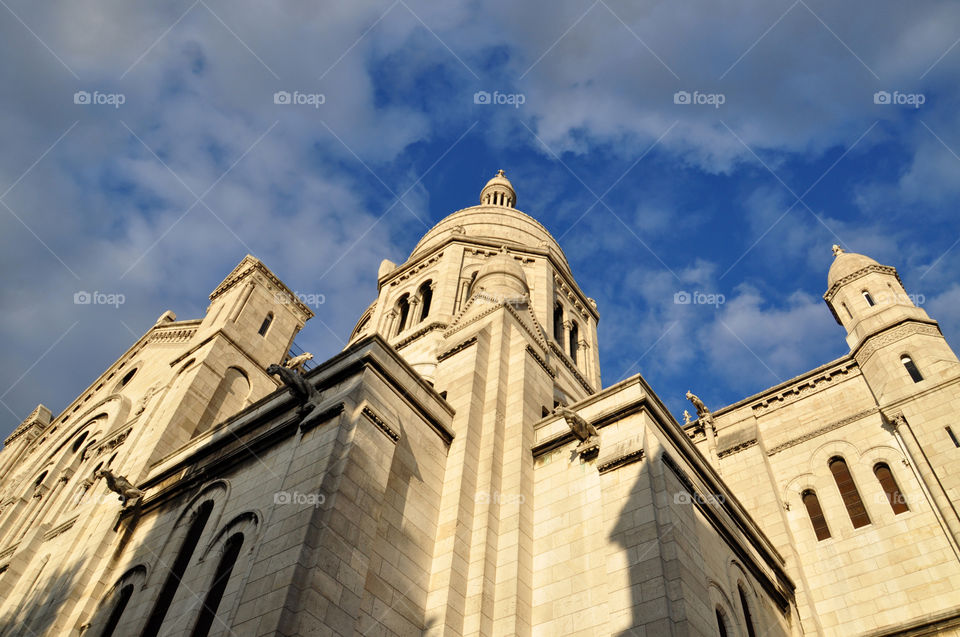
(42, 605)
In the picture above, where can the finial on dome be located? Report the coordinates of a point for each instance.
(499, 192)
(837, 250)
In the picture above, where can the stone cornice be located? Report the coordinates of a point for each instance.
(876, 267)
(569, 365)
(540, 361)
(456, 348)
(436, 325)
(769, 395)
(408, 270)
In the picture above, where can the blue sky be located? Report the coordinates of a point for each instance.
(159, 197)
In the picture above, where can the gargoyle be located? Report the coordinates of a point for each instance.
(297, 362)
(704, 417)
(304, 392)
(585, 432)
(120, 485)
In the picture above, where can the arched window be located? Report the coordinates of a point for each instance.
(721, 623)
(897, 502)
(911, 368)
(848, 491)
(574, 340)
(267, 320)
(746, 612)
(819, 522)
(426, 297)
(128, 377)
(869, 299)
(208, 611)
(79, 441)
(558, 323)
(170, 585)
(122, 599)
(403, 309)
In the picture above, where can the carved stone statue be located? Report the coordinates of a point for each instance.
(120, 485)
(585, 432)
(702, 411)
(686, 417)
(837, 250)
(305, 393)
(147, 395)
(297, 362)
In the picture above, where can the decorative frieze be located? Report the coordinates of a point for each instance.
(415, 269)
(893, 335)
(883, 269)
(736, 448)
(380, 424)
(822, 430)
(172, 335)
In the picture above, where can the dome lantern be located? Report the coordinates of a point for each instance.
(499, 192)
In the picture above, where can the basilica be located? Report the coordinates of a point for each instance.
(459, 469)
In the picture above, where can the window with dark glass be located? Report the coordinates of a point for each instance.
(911, 368)
(574, 340)
(122, 599)
(721, 624)
(403, 308)
(897, 502)
(812, 503)
(558, 323)
(866, 295)
(426, 297)
(953, 437)
(208, 611)
(268, 319)
(746, 612)
(179, 567)
(848, 492)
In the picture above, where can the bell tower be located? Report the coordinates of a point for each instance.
(898, 346)
(487, 310)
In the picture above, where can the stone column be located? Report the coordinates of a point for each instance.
(940, 502)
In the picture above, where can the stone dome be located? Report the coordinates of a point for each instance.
(502, 275)
(846, 263)
(496, 224)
